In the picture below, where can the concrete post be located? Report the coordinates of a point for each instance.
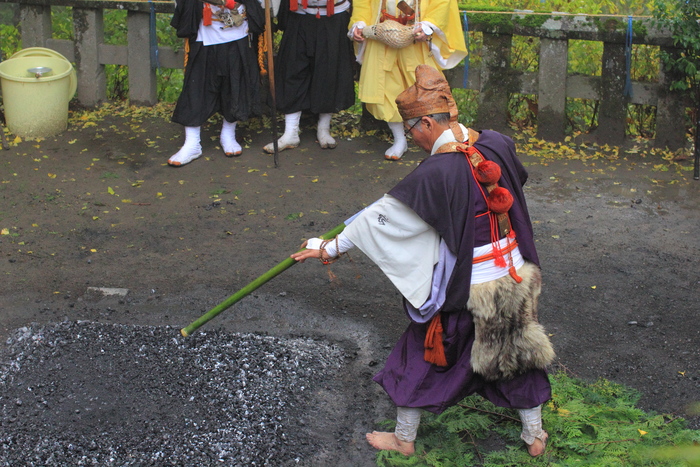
(89, 35)
(551, 91)
(495, 76)
(35, 24)
(670, 111)
(613, 103)
(142, 74)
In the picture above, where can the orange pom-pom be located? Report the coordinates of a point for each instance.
(500, 200)
(488, 172)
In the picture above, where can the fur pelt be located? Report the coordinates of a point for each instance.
(508, 340)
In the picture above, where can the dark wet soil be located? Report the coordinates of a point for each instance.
(110, 375)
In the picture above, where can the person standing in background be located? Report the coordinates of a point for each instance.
(221, 70)
(437, 40)
(314, 67)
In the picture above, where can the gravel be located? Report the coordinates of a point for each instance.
(86, 393)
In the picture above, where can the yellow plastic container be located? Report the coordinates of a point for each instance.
(37, 85)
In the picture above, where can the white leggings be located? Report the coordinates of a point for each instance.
(408, 419)
(532, 424)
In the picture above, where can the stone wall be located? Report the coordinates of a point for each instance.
(495, 78)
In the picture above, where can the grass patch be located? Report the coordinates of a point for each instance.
(589, 424)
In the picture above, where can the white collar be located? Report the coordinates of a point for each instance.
(447, 137)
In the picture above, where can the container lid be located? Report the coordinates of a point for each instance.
(38, 52)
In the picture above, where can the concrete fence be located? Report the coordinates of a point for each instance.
(494, 78)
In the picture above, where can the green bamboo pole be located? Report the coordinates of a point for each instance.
(274, 272)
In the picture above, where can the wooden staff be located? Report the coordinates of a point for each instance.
(271, 77)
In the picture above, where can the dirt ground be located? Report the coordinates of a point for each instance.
(97, 207)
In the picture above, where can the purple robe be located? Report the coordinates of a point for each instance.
(442, 191)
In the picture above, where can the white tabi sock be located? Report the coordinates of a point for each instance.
(532, 424)
(407, 421)
(191, 150)
(228, 139)
(400, 144)
(323, 132)
(290, 138)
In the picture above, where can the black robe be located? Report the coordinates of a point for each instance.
(314, 69)
(222, 78)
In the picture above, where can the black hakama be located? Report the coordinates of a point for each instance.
(314, 66)
(221, 78)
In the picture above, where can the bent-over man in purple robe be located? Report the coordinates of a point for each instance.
(455, 238)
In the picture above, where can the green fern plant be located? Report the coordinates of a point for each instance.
(589, 424)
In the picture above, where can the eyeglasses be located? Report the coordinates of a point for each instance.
(406, 133)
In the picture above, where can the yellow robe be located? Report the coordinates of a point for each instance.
(387, 72)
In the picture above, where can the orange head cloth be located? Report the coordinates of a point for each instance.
(429, 95)
(434, 349)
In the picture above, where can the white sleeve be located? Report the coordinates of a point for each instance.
(402, 244)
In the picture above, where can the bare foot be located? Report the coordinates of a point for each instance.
(389, 442)
(538, 447)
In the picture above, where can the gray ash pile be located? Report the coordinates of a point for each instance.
(85, 393)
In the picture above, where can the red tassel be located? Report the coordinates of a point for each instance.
(293, 5)
(488, 172)
(500, 200)
(498, 259)
(305, 4)
(230, 4)
(515, 275)
(434, 348)
(206, 15)
(330, 8)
